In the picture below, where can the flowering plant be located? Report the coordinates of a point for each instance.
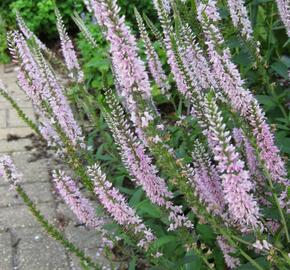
(185, 211)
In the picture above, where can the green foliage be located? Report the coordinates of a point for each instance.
(267, 79)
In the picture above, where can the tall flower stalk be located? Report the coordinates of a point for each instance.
(68, 50)
(236, 183)
(154, 63)
(140, 165)
(240, 98)
(116, 205)
(240, 18)
(284, 11)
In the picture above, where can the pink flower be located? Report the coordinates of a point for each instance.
(253, 165)
(128, 67)
(231, 261)
(9, 172)
(140, 165)
(236, 184)
(284, 11)
(72, 196)
(154, 62)
(167, 31)
(240, 98)
(240, 17)
(68, 50)
(207, 180)
(39, 83)
(115, 204)
(27, 33)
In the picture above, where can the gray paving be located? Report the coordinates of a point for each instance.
(23, 244)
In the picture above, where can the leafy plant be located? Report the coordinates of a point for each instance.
(184, 166)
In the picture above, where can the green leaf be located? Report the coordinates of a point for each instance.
(191, 261)
(136, 198)
(147, 207)
(261, 261)
(268, 102)
(206, 232)
(164, 240)
(133, 264)
(281, 69)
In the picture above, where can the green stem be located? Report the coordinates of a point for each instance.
(20, 112)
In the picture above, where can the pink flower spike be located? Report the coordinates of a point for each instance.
(9, 172)
(231, 261)
(236, 184)
(72, 196)
(115, 204)
(284, 11)
(68, 50)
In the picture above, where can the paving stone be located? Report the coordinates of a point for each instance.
(5, 251)
(37, 251)
(35, 171)
(20, 217)
(22, 102)
(14, 146)
(38, 192)
(89, 242)
(63, 211)
(17, 131)
(2, 118)
(15, 121)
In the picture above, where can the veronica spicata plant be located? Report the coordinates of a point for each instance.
(227, 193)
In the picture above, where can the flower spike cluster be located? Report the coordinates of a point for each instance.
(240, 17)
(284, 11)
(252, 162)
(129, 68)
(9, 172)
(240, 98)
(236, 184)
(115, 204)
(223, 187)
(172, 61)
(71, 194)
(195, 59)
(140, 165)
(27, 33)
(154, 63)
(227, 250)
(207, 180)
(68, 50)
(40, 85)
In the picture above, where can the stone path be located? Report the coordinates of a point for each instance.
(23, 244)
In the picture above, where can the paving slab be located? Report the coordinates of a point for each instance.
(19, 216)
(37, 251)
(13, 119)
(89, 242)
(15, 131)
(35, 171)
(39, 192)
(14, 146)
(3, 117)
(5, 251)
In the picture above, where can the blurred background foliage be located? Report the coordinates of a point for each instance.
(39, 16)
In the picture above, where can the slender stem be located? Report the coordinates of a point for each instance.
(283, 220)
(253, 262)
(20, 112)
